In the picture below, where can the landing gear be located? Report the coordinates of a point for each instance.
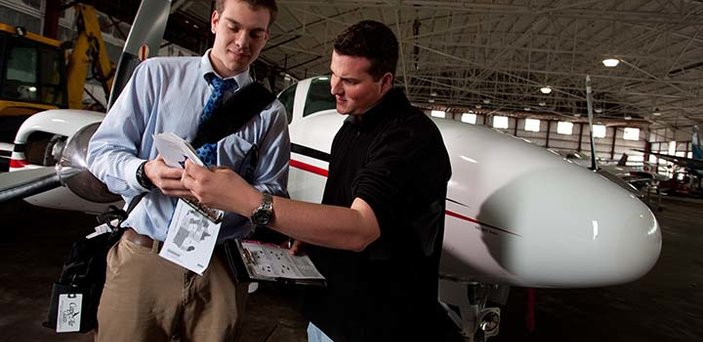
(466, 305)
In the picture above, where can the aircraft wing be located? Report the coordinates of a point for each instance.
(690, 163)
(27, 182)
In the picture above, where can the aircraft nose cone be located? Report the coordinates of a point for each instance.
(574, 229)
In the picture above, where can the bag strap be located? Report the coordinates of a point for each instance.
(231, 115)
(115, 213)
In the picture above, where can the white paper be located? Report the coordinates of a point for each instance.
(191, 239)
(175, 150)
(268, 260)
(68, 319)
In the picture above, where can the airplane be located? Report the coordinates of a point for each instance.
(632, 179)
(693, 165)
(517, 215)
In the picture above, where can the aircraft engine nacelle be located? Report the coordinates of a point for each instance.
(55, 142)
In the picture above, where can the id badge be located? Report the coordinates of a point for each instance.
(68, 318)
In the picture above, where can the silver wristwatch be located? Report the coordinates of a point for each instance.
(263, 215)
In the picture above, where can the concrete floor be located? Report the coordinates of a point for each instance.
(665, 305)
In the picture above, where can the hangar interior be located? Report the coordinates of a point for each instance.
(495, 63)
(519, 66)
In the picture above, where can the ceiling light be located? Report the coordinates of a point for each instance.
(486, 101)
(478, 106)
(434, 93)
(527, 109)
(546, 90)
(627, 117)
(611, 62)
(598, 110)
(430, 100)
(656, 114)
(542, 103)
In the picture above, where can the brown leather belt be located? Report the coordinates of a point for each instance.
(139, 239)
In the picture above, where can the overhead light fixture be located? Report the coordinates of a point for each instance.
(434, 93)
(486, 101)
(546, 90)
(656, 114)
(542, 103)
(627, 117)
(478, 106)
(611, 62)
(430, 100)
(527, 109)
(598, 110)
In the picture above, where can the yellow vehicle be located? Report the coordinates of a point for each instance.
(34, 75)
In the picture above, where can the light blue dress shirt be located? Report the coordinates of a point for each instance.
(168, 94)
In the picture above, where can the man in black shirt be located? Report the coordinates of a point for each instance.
(377, 236)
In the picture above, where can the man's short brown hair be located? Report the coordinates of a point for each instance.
(270, 5)
(372, 40)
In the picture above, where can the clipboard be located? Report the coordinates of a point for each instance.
(252, 261)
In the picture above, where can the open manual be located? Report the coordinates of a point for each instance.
(193, 230)
(256, 261)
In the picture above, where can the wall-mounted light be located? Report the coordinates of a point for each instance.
(546, 90)
(611, 62)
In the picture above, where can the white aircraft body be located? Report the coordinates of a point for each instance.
(516, 213)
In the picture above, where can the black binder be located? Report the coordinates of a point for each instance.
(242, 264)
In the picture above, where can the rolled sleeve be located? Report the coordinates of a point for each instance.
(271, 174)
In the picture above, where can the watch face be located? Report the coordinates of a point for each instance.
(261, 217)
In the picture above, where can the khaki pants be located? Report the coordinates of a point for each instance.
(148, 298)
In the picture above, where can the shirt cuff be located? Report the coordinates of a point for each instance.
(131, 174)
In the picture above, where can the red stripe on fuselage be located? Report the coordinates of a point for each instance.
(307, 167)
(471, 219)
(16, 164)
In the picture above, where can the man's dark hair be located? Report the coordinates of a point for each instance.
(373, 40)
(255, 4)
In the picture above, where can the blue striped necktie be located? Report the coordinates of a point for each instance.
(220, 87)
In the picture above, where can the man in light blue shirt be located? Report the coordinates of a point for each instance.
(146, 297)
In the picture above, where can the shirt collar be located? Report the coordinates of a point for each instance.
(242, 78)
(392, 104)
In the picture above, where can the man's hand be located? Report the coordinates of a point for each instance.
(167, 179)
(220, 188)
(296, 248)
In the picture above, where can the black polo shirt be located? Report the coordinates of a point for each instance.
(392, 157)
